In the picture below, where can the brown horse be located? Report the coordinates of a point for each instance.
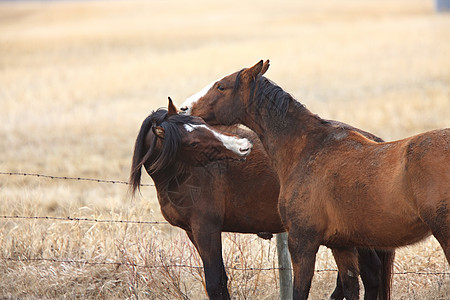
(206, 197)
(337, 188)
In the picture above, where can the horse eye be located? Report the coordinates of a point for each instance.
(220, 87)
(193, 144)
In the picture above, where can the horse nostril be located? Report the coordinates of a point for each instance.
(185, 108)
(244, 150)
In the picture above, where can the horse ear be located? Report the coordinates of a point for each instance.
(265, 67)
(158, 131)
(251, 73)
(172, 110)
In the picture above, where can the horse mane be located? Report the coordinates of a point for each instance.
(269, 96)
(165, 159)
(273, 97)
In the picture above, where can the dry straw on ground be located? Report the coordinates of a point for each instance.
(77, 79)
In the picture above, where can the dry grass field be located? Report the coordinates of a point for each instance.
(78, 77)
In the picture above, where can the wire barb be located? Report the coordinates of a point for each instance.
(70, 178)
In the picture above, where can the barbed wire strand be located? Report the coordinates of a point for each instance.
(85, 262)
(128, 264)
(69, 178)
(75, 219)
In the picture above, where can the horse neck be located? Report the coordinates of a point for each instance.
(286, 137)
(162, 178)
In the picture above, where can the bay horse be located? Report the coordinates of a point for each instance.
(206, 194)
(337, 187)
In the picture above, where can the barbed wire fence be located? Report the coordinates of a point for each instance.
(138, 222)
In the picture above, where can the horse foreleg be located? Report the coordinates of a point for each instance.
(303, 246)
(209, 246)
(347, 262)
(438, 219)
(443, 237)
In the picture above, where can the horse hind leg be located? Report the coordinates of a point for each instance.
(370, 271)
(376, 274)
(338, 293)
(387, 263)
(347, 262)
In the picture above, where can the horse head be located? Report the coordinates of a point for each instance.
(168, 141)
(224, 101)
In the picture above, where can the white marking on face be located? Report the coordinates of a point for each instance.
(190, 127)
(186, 106)
(240, 146)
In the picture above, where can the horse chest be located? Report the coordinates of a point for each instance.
(175, 210)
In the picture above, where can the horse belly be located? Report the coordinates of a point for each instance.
(393, 231)
(244, 220)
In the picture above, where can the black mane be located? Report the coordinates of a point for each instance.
(268, 95)
(272, 96)
(153, 161)
(272, 100)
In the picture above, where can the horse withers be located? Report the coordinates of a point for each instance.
(338, 188)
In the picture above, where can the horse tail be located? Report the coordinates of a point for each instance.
(387, 263)
(140, 156)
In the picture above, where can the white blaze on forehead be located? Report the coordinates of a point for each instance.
(240, 146)
(189, 102)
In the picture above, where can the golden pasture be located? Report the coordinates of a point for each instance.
(77, 79)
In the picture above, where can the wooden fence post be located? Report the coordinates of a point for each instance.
(284, 263)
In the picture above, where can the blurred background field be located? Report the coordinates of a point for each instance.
(78, 77)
